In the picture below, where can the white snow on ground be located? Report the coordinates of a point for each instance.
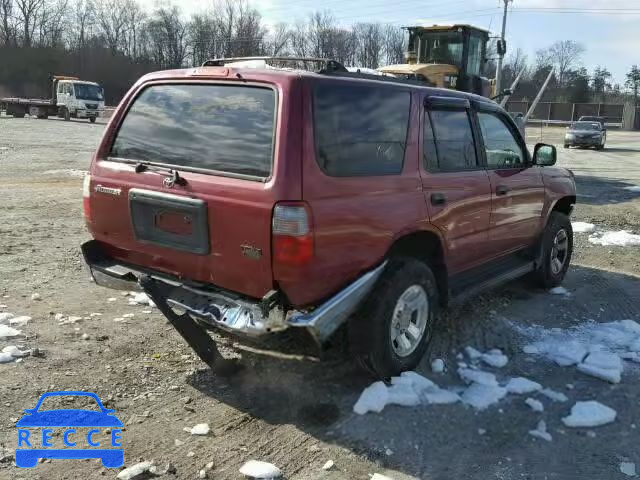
(408, 390)
(8, 332)
(553, 395)
(622, 238)
(258, 469)
(20, 321)
(596, 348)
(634, 188)
(437, 366)
(472, 353)
(582, 227)
(535, 405)
(603, 365)
(521, 386)
(541, 431)
(589, 414)
(200, 429)
(5, 317)
(481, 396)
(628, 468)
(559, 291)
(140, 298)
(478, 376)
(494, 358)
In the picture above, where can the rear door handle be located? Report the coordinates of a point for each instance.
(438, 199)
(502, 190)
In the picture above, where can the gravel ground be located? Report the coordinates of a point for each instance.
(290, 409)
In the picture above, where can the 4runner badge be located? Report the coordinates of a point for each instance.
(110, 191)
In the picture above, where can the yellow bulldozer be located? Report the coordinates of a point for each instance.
(446, 56)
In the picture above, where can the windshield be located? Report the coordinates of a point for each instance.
(441, 47)
(585, 126)
(85, 91)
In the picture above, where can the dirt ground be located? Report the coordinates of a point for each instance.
(295, 410)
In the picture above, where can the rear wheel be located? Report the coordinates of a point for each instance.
(391, 332)
(18, 115)
(92, 119)
(66, 114)
(557, 248)
(566, 145)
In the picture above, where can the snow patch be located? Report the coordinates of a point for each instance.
(437, 366)
(541, 431)
(634, 188)
(582, 227)
(200, 429)
(553, 395)
(494, 358)
(589, 414)
(560, 291)
(478, 376)
(628, 468)
(472, 353)
(621, 238)
(258, 469)
(481, 396)
(603, 365)
(8, 332)
(5, 317)
(521, 386)
(535, 405)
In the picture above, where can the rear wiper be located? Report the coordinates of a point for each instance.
(175, 176)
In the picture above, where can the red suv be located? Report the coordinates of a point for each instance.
(256, 200)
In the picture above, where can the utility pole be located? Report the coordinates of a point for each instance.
(501, 53)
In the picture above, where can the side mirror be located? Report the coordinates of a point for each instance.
(544, 155)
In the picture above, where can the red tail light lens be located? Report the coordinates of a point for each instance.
(86, 193)
(292, 235)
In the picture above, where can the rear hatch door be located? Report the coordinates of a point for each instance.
(187, 184)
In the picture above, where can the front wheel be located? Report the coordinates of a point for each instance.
(391, 332)
(557, 248)
(92, 119)
(66, 114)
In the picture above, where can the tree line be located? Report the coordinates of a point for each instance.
(114, 42)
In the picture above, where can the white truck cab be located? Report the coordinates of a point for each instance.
(79, 99)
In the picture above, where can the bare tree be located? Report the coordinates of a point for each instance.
(112, 20)
(278, 40)
(28, 12)
(564, 55)
(81, 17)
(369, 44)
(134, 19)
(394, 45)
(167, 36)
(513, 65)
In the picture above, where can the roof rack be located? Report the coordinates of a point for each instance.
(327, 65)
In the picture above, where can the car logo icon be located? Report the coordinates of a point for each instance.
(69, 419)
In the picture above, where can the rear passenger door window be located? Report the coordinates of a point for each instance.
(501, 147)
(448, 141)
(360, 130)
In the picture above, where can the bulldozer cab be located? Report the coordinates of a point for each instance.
(447, 56)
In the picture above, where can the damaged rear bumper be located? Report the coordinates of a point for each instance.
(217, 308)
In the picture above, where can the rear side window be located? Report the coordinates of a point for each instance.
(448, 140)
(223, 128)
(360, 130)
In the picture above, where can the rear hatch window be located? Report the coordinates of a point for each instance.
(224, 129)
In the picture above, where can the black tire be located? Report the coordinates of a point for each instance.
(566, 145)
(546, 275)
(370, 329)
(66, 114)
(92, 119)
(18, 115)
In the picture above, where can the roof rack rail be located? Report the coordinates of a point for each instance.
(327, 65)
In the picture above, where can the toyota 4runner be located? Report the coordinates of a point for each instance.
(256, 200)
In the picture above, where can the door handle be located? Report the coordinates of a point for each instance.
(438, 199)
(502, 190)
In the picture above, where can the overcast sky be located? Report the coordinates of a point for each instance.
(610, 31)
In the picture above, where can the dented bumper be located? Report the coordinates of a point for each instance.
(218, 308)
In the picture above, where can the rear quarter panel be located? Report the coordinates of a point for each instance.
(356, 219)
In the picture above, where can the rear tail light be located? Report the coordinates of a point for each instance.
(86, 193)
(292, 234)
